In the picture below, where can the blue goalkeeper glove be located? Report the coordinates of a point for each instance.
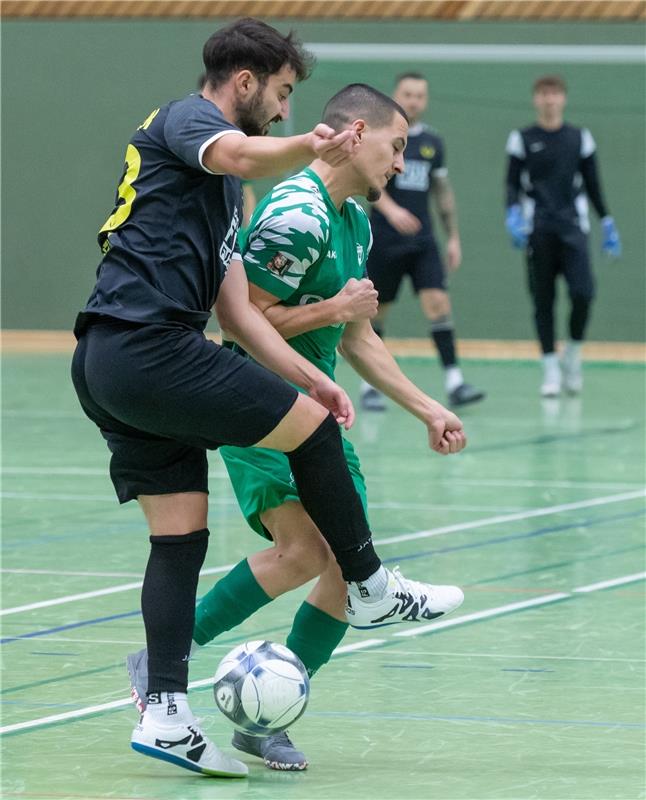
(611, 244)
(517, 227)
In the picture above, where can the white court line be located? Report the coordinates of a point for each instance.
(486, 613)
(101, 471)
(499, 53)
(515, 482)
(70, 598)
(349, 648)
(532, 484)
(536, 512)
(506, 656)
(598, 501)
(593, 587)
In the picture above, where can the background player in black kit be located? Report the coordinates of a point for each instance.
(552, 167)
(404, 242)
(162, 394)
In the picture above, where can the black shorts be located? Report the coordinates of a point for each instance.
(164, 394)
(393, 258)
(551, 253)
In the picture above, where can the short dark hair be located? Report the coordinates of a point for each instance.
(549, 82)
(251, 44)
(415, 76)
(360, 101)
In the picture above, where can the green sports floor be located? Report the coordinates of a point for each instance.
(534, 688)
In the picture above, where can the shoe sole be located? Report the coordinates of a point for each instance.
(153, 752)
(283, 766)
(476, 399)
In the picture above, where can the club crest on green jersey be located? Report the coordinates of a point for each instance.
(279, 264)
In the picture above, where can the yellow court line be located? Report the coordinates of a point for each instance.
(45, 341)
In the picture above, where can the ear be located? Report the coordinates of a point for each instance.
(245, 82)
(359, 127)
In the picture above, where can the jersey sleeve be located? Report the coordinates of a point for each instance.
(440, 168)
(191, 127)
(285, 237)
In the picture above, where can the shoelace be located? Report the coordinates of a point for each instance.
(408, 586)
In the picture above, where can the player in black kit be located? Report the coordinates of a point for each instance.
(552, 168)
(162, 393)
(404, 242)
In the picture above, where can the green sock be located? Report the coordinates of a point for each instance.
(233, 598)
(314, 636)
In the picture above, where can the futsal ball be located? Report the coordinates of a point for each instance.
(262, 687)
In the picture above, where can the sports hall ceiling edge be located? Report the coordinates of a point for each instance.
(450, 10)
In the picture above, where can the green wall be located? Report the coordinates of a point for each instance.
(73, 91)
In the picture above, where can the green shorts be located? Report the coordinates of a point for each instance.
(262, 479)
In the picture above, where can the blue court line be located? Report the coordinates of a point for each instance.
(587, 523)
(495, 720)
(439, 551)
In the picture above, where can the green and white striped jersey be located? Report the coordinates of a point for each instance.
(302, 249)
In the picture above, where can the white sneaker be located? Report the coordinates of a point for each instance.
(551, 386)
(572, 371)
(185, 746)
(404, 601)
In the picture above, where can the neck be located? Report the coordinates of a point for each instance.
(340, 183)
(223, 100)
(551, 123)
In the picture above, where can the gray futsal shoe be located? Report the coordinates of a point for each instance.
(277, 751)
(371, 399)
(137, 665)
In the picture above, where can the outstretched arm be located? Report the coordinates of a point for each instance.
(368, 355)
(258, 156)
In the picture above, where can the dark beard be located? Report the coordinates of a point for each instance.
(373, 194)
(250, 116)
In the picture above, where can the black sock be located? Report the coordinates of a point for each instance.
(328, 495)
(443, 334)
(579, 317)
(168, 607)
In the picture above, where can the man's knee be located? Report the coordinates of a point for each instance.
(435, 303)
(304, 556)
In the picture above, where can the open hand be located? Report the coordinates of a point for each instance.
(334, 148)
(331, 396)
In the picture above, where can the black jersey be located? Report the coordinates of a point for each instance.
(172, 233)
(550, 173)
(424, 159)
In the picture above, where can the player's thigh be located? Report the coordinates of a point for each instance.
(143, 463)
(174, 383)
(427, 271)
(543, 265)
(577, 270)
(300, 422)
(175, 514)
(294, 533)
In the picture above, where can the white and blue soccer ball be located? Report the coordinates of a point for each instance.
(262, 687)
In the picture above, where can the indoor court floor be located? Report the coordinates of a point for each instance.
(533, 689)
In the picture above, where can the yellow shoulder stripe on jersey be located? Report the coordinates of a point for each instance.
(148, 120)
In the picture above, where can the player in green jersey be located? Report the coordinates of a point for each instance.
(305, 253)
